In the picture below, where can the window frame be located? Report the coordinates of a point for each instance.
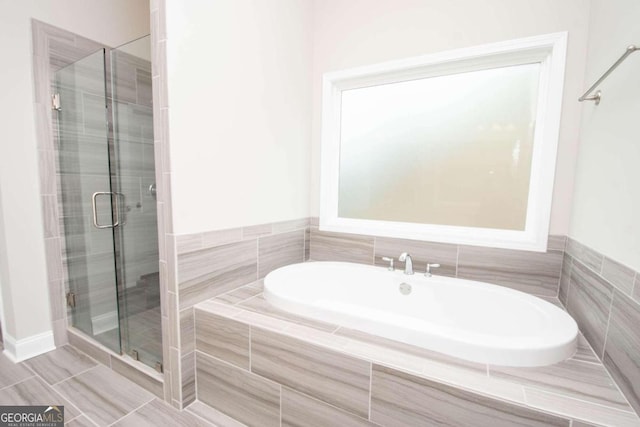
(549, 50)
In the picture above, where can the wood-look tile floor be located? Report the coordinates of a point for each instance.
(92, 394)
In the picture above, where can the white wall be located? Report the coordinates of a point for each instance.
(606, 206)
(239, 75)
(22, 259)
(358, 32)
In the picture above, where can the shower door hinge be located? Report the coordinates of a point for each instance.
(71, 299)
(55, 102)
(159, 367)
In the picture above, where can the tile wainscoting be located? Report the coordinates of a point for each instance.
(604, 298)
(262, 366)
(215, 262)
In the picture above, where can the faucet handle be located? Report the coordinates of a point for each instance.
(390, 261)
(429, 267)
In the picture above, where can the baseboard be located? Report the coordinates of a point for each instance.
(26, 348)
(104, 322)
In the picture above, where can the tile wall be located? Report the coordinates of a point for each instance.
(262, 377)
(604, 298)
(54, 48)
(212, 263)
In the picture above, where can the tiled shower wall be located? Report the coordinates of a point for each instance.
(603, 296)
(54, 48)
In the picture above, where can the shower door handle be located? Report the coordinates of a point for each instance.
(95, 210)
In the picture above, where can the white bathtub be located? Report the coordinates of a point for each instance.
(466, 319)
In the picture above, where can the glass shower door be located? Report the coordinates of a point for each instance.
(88, 206)
(133, 177)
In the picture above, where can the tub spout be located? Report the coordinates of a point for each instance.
(408, 264)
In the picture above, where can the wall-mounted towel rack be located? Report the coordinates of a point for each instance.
(598, 94)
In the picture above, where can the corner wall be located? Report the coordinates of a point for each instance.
(606, 196)
(239, 74)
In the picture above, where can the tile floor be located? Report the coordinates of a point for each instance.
(92, 394)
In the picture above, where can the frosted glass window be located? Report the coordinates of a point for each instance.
(448, 150)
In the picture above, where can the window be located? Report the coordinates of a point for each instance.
(455, 147)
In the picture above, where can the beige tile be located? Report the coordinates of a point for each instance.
(53, 258)
(299, 410)
(223, 338)
(209, 272)
(622, 350)
(278, 250)
(176, 378)
(11, 373)
(188, 242)
(260, 305)
(60, 364)
(532, 272)
(253, 231)
(221, 237)
(584, 352)
(103, 395)
(57, 299)
(584, 254)
(34, 391)
(294, 224)
(589, 302)
(404, 400)
(50, 216)
(556, 243)
(80, 421)
(579, 409)
(160, 414)
(212, 415)
(216, 307)
(618, 275)
(580, 380)
(332, 377)
(241, 294)
(239, 394)
(565, 279)
(93, 350)
(401, 354)
(421, 253)
(326, 246)
(144, 380)
(188, 376)
(187, 331)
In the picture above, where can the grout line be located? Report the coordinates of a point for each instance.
(606, 331)
(370, 387)
(202, 418)
(21, 381)
(75, 375)
(131, 412)
(280, 404)
(554, 393)
(85, 371)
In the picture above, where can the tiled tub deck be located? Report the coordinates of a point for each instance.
(262, 366)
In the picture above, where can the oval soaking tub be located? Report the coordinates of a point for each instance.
(466, 319)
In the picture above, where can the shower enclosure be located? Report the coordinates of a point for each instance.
(108, 208)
